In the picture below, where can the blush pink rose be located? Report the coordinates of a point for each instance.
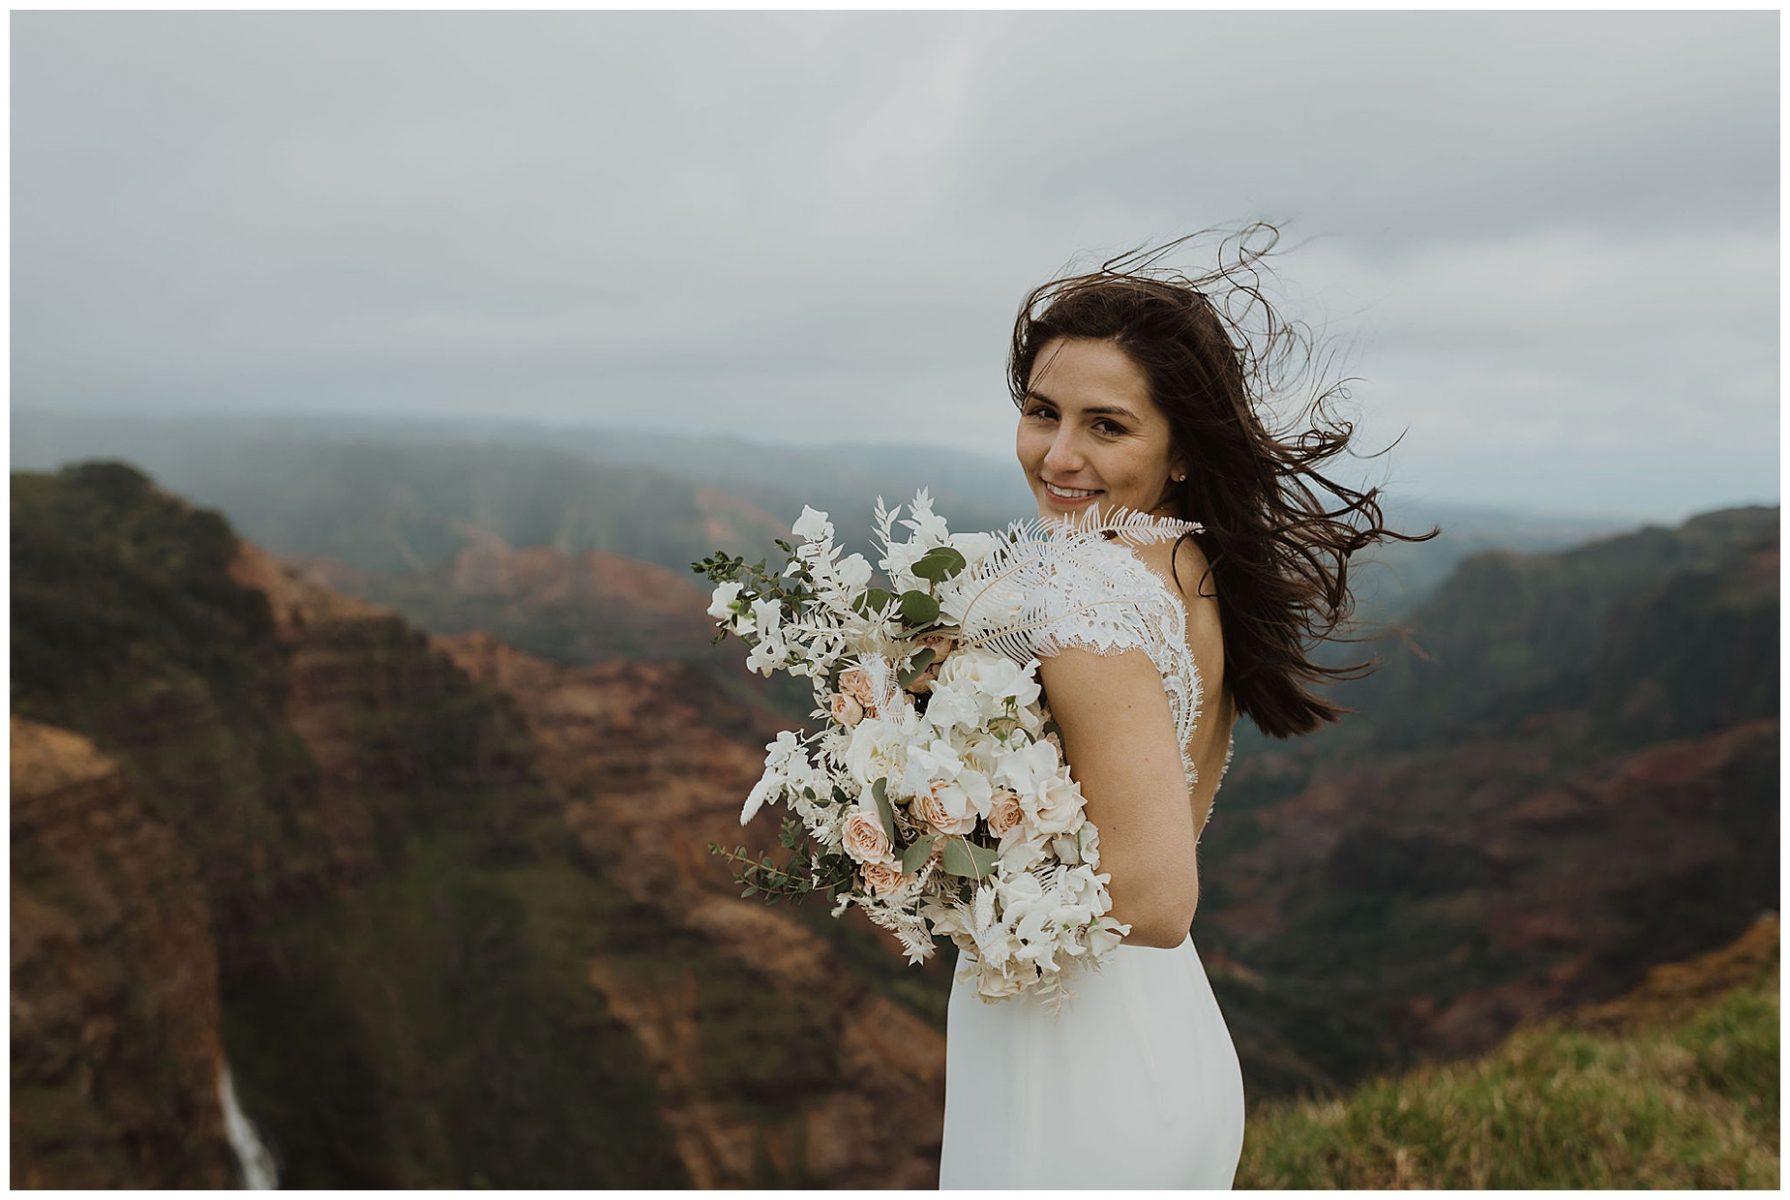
(856, 684)
(1004, 812)
(882, 878)
(931, 808)
(941, 645)
(865, 838)
(846, 710)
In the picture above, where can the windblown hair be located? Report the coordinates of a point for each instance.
(1269, 542)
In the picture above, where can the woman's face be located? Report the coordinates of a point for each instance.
(1088, 424)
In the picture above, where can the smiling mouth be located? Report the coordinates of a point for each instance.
(1070, 493)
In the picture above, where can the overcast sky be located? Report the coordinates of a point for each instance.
(1545, 243)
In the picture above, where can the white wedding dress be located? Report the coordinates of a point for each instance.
(1136, 1082)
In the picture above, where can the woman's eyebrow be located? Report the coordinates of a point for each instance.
(1104, 410)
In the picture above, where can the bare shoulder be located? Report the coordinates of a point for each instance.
(1182, 566)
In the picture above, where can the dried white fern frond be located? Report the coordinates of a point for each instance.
(886, 692)
(1051, 569)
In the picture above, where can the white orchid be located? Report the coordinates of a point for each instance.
(939, 770)
(813, 526)
(721, 605)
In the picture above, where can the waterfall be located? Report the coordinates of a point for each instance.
(252, 1156)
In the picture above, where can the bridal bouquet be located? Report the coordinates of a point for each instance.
(934, 795)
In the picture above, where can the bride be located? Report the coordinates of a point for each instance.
(1132, 394)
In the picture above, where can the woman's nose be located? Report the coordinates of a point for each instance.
(1063, 455)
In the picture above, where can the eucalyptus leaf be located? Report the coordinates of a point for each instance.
(883, 808)
(968, 859)
(917, 608)
(871, 600)
(921, 661)
(939, 564)
(916, 855)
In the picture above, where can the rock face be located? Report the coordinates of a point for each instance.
(445, 908)
(391, 930)
(116, 1046)
(775, 1055)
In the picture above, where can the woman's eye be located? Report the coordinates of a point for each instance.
(1109, 428)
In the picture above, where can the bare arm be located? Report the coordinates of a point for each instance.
(1119, 740)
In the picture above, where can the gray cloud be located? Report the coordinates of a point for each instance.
(1548, 240)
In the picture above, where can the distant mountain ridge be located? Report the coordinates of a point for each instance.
(1652, 633)
(393, 494)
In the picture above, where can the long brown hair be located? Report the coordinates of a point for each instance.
(1267, 537)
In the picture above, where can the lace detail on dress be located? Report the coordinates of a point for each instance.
(1099, 595)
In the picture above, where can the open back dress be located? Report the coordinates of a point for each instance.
(1135, 1083)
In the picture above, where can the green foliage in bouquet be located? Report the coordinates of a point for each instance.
(808, 869)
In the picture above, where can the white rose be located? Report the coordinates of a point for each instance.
(950, 919)
(936, 759)
(1056, 807)
(1020, 854)
(853, 572)
(1016, 976)
(996, 986)
(946, 807)
(878, 750)
(1081, 846)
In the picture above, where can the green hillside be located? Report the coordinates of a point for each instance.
(1656, 633)
(1689, 1101)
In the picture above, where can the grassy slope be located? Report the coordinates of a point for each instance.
(1689, 1101)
